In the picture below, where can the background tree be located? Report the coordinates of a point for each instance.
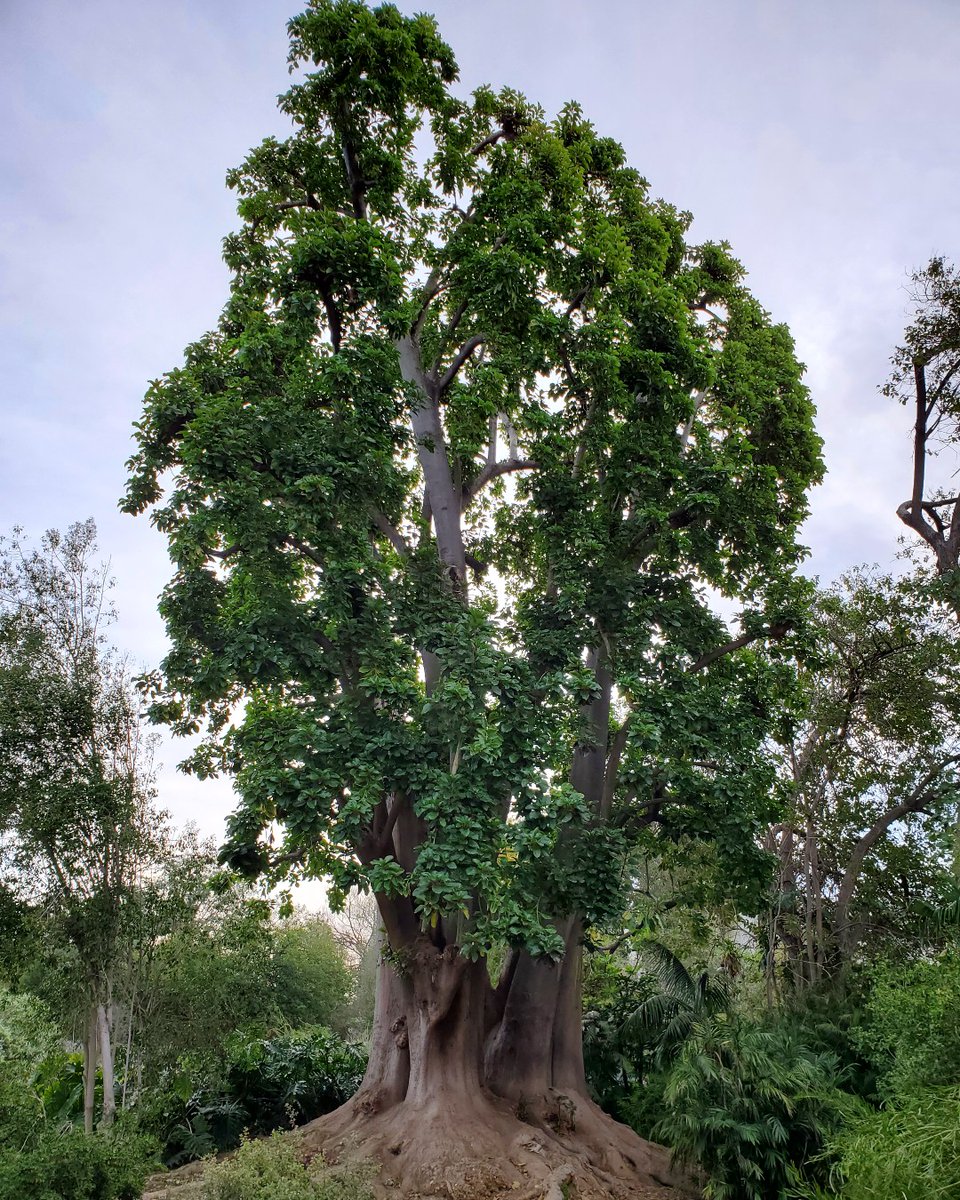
(868, 775)
(448, 486)
(926, 374)
(75, 785)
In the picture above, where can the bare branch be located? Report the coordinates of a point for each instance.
(774, 632)
(915, 521)
(307, 551)
(492, 471)
(710, 313)
(490, 140)
(699, 400)
(919, 436)
(396, 539)
(459, 359)
(229, 552)
(431, 289)
(492, 440)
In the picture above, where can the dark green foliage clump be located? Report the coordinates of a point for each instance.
(262, 1084)
(751, 1106)
(55, 1164)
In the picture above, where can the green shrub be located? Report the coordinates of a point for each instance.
(907, 1151)
(293, 1078)
(274, 1169)
(70, 1165)
(911, 1031)
(43, 1156)
(751, 1106)
(265, 1084)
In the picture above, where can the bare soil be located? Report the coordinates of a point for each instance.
(482, 1150)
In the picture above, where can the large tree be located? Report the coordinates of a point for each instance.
(451, 491)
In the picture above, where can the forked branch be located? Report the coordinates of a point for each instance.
(493, 471)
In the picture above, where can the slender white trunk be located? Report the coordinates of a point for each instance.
(106, 1060)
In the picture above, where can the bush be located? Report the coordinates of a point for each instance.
(751, 1107)
(275, 1169)
(907, 1151)
(265, 1084)
(293, 1078)
(70, 1165)
(911, 1031)
(42, 1155)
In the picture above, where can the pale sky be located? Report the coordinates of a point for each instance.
(811, 134)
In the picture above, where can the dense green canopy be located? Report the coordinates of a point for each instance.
(451, 491)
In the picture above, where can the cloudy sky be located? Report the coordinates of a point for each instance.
(811, 134)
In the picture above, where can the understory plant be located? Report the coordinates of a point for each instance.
(63, 1163)
(276, 1168)
(264, 1084)
(909, 1150)
(751, 1106)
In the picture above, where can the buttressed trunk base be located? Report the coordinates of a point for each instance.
(473, 1092)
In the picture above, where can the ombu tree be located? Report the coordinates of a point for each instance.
(448, 491)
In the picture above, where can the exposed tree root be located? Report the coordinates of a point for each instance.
(479, 1148)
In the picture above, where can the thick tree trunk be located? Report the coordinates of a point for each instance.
(472, 1091)
(536, 1046)
(388, 1066)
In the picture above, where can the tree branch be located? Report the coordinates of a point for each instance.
(459, 359)
(385, 844)
(396, 539)
(431, 289)
(612, 768)
(493, 471)
(921, 797)
(919, 436)
(355, 181)
(334, 320)
(490, 140)
(705, 660)
(307, 551)
(432, 452)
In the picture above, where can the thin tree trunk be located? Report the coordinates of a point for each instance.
(818, 906)
(812, 890)
(926, 793)
(89, 1069)
(106, 1061)
(129, 1044)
